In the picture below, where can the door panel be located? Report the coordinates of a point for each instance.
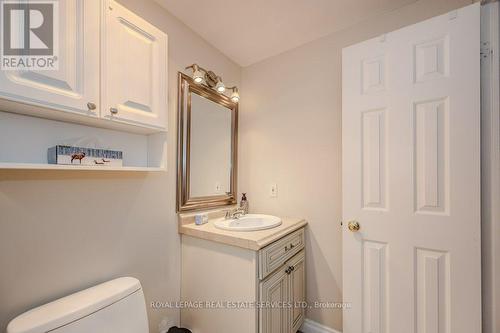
(432, 291)
(431, 165)
(375, 286)
(297, 290)
(411, 178)
(374, 163)
(134, 69)
(274, 292)
(76, 81)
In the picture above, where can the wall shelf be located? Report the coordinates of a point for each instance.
(41, 166)
(24, 141)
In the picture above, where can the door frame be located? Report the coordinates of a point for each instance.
(490, 165)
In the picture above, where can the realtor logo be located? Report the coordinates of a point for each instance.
(29, 35)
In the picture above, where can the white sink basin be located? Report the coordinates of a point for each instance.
(249, 222)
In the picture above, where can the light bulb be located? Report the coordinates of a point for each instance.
(220, 86)
(197, 75)
(235, 96)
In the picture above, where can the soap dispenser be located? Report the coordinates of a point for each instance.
(244, 203)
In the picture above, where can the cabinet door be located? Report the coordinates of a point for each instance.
(134, 69)
(297, 290)
(274, 297)
(75, 81)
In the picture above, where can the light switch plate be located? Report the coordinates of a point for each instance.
(273, 190)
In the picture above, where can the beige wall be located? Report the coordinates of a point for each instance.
(290, 134)
(64, 231)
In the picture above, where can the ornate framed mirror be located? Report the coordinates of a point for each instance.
(207, 137)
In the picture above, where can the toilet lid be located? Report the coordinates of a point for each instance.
(73, 307)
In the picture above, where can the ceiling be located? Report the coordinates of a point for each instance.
(248, 31)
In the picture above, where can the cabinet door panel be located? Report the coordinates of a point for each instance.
(134, 69)
(297, 290)
(76, 81)
(274, 296)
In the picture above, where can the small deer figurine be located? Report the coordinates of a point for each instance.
(77, 156)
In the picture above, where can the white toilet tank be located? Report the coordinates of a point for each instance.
(113, 306)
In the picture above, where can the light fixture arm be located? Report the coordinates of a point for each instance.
(196, 66)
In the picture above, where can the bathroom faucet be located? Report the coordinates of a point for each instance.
(234, 214)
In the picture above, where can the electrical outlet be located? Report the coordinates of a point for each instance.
(273, 190)
(218, 187)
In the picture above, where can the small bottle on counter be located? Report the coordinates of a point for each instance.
(244, 203)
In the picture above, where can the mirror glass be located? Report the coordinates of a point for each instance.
(210, 148)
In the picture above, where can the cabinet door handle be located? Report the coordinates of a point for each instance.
(91, 106)
(113, 110)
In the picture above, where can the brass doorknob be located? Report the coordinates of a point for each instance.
(353, 226)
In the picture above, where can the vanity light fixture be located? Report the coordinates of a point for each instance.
(198, 75)
(220, 85)
(235, 96)
(213, 81)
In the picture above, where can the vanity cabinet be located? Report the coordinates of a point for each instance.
(282, 266)
(112, 71)
(253, 291)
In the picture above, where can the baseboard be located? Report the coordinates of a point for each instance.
(310, 326)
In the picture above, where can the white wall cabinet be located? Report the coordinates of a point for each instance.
(134, 73)
(110, 90)
(76, 82)
(112, 71)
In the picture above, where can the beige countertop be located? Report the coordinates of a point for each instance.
(252, 240)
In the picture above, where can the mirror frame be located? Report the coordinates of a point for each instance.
(187, 86)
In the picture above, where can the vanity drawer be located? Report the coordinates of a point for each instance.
(274, 255)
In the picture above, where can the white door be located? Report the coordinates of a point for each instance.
(75, 83)
(134, 69)
(411, 179)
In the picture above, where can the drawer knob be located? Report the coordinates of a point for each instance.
(91, 106)
(113, 110)
(292, 246)
(288, 270)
